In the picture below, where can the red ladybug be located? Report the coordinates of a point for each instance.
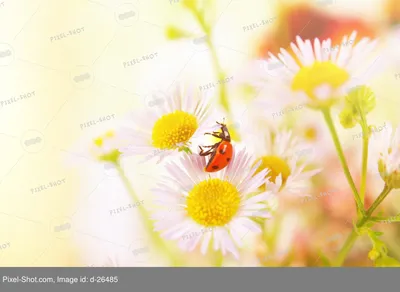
(221, 152)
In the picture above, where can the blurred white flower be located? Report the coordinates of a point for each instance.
(385, 155)
(279, 153)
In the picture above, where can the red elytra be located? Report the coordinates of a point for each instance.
(221, 152)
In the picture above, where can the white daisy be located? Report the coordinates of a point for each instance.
(391, 56)
(385, 155)
(317, 141)
(283, 155)
(313, 74)
(171, 124)
(211, 207)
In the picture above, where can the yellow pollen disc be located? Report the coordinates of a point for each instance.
(310, 134)
(173, 128)
(276, 165)
(213, 202)
(319, 73)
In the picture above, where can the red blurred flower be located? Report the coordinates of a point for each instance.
(310, 22)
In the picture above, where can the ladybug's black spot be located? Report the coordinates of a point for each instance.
(222, 151)
(228, 159)
(215, 167)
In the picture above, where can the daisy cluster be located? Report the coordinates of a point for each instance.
(202, 209)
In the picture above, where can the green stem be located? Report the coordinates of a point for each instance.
(223, 98)
(155, 237)
(219, 259)
(354, 235)
(364, 166)
(351, 239)
(223, 95)
(365, 131)
(385, 192)
(217, 67)
(335, 137)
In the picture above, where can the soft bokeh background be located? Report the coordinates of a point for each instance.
(66, 63)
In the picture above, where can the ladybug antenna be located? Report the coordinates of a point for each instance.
(223, 123)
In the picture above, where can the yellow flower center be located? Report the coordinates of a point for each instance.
(173, 128)
(310, 77)
(310, 134)
(276, 165)
(213, 202)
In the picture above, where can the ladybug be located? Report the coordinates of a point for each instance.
(221, 152)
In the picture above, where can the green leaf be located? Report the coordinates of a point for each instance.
(379, 251)
(175, 33)
(369, 224)
(185, 149)
(325, 260)
(392, 219)
(387, 261)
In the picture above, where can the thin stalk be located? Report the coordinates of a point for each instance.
(364, 166)
(386, 190)
(348, 244)
(219, 259)
(365, 131)
(335, 137)
(351, 239)
(223, 98)
(155, 237)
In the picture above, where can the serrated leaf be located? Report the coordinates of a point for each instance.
(392, 219)
(379, 247)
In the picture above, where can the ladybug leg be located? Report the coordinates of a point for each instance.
(208, 152)
(212, 146)
(221, 124)
(205, 153)
(215, 134)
